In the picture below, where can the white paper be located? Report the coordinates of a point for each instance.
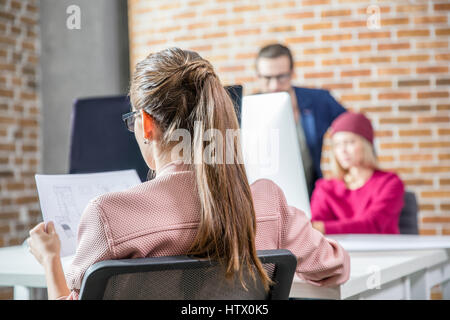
(385, 242)
(64, 197)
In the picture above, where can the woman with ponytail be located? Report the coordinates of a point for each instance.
(200, 202)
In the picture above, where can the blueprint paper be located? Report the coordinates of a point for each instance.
(64, 197)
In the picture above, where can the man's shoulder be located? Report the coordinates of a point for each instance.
(312, 92)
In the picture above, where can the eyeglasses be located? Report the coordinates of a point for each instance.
(282, 78)
(129, 119)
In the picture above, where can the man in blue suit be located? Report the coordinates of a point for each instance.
(314, 109)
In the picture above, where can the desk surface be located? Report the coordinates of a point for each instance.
(370, 268)
(390, 242)
(19, 267)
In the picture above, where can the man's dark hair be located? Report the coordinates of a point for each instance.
(274, 51)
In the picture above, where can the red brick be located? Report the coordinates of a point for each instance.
(395, 120)
(432, 94)
(415, 132)
(336, 37)
(394, 95)
(437, 69)
(393, 21)
(393, 71)
(374, 35)
(352, 23)
(413, 83)
(293, 40)
(413, 33)
(397, 145)
(442, 6)
(436, 119)
(394, 46)
(442, 32)
(317, 26)
(412, 8)
(340, 61)
(356, 73)
(289, 28)
(336, 13)
(376, 59)
(430, 19)
(435, 194)
(313, 75)
(414, 108)
(246, 8)
(299, 15)
(324, 50)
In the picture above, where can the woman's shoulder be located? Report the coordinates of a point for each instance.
(327, 183)
(263, 186)
(267, 196)
(157, 188)
(387, 177)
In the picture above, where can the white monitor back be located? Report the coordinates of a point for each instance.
(270, 146)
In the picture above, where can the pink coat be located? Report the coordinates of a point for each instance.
(160, 218)
(373, 208)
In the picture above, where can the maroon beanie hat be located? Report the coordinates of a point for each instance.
(353, 122)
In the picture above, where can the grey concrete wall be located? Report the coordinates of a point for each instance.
(91, 61)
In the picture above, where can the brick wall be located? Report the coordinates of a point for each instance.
(19, 119)
(398, 74)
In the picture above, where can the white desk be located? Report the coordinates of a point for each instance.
(386, 275)
(388, 267)
(400, 274)
(19, 269)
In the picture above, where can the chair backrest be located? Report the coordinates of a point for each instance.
(100, 141)
(184, 278)
(235, 92)
(408, 216)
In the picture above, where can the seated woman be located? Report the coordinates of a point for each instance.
(359, 198)
(192, 206)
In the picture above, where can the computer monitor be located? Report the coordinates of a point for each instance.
(270, 146)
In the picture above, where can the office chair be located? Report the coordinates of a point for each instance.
(408, 215)
(184, 278)
(99, 140)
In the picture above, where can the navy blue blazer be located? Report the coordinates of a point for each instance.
(318, 109)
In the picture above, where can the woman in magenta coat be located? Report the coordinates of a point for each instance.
(359, 198)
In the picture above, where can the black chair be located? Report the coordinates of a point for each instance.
(408, 215)
(235, 92)
(100, 141)
(184, 278)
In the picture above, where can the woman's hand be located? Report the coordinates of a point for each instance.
(44, 243)
(319, 225)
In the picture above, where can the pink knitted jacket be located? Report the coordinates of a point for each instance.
(160, 218)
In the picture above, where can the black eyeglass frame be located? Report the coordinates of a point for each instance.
(130, 117)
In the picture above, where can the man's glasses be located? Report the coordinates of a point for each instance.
(129, 119)
(282, 78)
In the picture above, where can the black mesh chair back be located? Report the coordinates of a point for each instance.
(185, 278)
(408, 216)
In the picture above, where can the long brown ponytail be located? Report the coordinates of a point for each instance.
(180, 90)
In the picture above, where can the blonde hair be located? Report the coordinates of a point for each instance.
(369, 159)
(178, 88)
